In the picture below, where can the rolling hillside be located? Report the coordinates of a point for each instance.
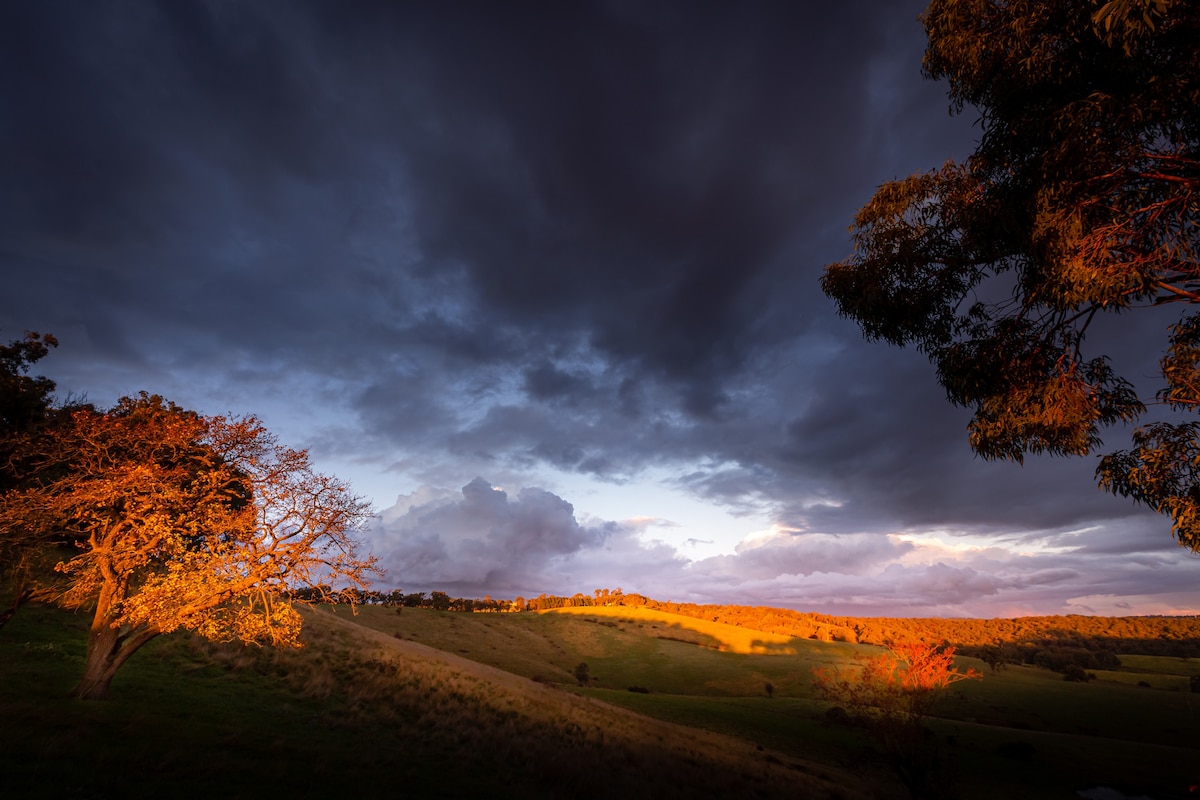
(355, 710)
(417, 703)
(1022, 731)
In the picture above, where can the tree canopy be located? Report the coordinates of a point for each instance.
(1080, 200)
(24, 399)
(25, 406)
(181, 521)
(891, 695)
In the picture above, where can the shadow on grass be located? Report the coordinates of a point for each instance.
(347, 713)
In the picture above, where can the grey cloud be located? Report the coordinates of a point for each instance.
(480, 540)
(939, 589)
(801, 554)
(546, 382)
(480, 537)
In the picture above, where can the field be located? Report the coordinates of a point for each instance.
(420, 703)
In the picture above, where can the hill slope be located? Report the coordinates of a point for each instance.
(355, 710)
(1022, 731)
(418, 703)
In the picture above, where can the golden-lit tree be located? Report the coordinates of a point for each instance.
(181, 521)
(1079, 203)
(890, 696)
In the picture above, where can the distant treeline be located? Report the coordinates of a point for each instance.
(1049, 641)
(438, 601)
(1055, 642)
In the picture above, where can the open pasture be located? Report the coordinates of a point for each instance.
(1020, 730)
(444, 704)
(355, 710)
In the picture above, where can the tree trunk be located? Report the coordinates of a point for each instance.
(102, 649)
(108, 649)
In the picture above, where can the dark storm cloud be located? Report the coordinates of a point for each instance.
(888, 445)
(448, 239)
(624, 178)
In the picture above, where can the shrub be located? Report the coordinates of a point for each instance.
(1075, 674)
(890, 696)
(837, 715)
(581, 674)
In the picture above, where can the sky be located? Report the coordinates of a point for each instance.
(540, 281)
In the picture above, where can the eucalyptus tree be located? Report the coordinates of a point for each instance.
(1081, 201)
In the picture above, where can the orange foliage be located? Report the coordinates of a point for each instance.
(890, 695)
(900, 683)
(184, 521)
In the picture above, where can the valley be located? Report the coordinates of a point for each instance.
(422, 703)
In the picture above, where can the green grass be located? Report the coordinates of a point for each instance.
(183, 721)
(619, 652)
(365, 708)
(1161, 665)
(1018, 728)
(352, 712)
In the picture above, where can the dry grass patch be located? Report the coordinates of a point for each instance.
(717, 635)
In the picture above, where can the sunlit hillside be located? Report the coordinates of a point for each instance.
(716, 635)
(1023, 731)
(595, 702)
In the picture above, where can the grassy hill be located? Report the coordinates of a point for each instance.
(420, 703)
(356, 711)
(1021, 732)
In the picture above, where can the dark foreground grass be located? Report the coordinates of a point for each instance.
(350, 714)
(183, 722)
(362, 709)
